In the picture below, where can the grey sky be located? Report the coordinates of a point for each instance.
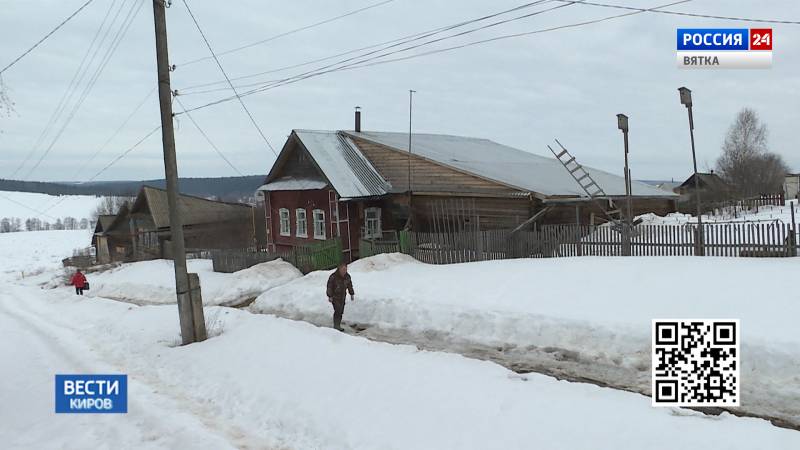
(567, 84)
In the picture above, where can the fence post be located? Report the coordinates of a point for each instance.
(793, 235)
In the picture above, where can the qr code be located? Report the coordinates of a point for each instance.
(695, 362)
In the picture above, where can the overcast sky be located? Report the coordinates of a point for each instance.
(567, 84)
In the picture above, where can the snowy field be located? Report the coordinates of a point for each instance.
(153, 282)
(268, 382)
(29, 254)
(583, 318)
(46, 207)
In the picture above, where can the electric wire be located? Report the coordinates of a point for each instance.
(221, 69)
(64, 22)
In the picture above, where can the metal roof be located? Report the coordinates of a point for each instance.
(343, 164)
(293, 184)
(507, 165)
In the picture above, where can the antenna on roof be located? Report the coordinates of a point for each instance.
(410, 105)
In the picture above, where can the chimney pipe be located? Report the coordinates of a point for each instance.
(358, 119)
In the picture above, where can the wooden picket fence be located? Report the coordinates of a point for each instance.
(307, 258)
(549, 241)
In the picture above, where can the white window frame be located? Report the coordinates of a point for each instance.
(301, 223)
(378, 231)
(285, 222)
(318, 216)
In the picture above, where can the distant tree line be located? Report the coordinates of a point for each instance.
(228, 188)
(15, 224)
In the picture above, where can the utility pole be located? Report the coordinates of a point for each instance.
(193, 327)
(622, 124)
(686, 100)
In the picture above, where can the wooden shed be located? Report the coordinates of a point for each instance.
(143, 230)
(357, 184)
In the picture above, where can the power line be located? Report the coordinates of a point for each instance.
(122, 155)
(116, 132)
(43, 213)
(319, 70)
(686, 14)
(286, 33)
(46, 36)
(196, 125)
(105, 59)
(395, 42)
(77, 77)
(244, 107)
(108, 166)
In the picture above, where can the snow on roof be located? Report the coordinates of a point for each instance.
(293, 184)
(508, 165)
(343, 164)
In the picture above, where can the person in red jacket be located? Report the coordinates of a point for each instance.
(79, 281)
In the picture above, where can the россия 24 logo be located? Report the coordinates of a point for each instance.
(724, 48)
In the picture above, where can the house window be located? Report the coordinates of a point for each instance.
(285, 227)
(372, 223)
(301, 223)
(319, 224)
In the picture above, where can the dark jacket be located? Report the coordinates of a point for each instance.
(339, 286)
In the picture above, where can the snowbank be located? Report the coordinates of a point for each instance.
(768, 213)
(153, 282)
(271, 383)
(594, 312)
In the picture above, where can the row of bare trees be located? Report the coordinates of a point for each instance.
(15, 224)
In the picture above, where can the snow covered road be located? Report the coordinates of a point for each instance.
(270, 383)
(575, 318)
(273, 383)
(35, 346)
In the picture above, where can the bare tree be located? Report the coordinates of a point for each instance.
(6, 105)
(746, 162)
(109, 206)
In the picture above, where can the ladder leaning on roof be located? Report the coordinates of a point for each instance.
(587, 183)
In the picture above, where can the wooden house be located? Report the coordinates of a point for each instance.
(100, 239)
(712, 188)
(142, 231)
(359, 184)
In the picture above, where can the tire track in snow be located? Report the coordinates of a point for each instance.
(62, 350)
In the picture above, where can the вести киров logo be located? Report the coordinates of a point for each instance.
(91, 393)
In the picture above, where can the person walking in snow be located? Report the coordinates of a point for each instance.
(339, 284)
(79, 281)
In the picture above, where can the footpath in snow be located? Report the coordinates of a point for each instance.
(267, 382)
(577, 318)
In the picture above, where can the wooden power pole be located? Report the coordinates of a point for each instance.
(190, 305)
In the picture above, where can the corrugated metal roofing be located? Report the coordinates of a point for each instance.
(507, 165)
(343, 164)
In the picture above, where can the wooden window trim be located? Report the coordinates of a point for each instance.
(297, 231)
(319, 225)
(288, 231)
